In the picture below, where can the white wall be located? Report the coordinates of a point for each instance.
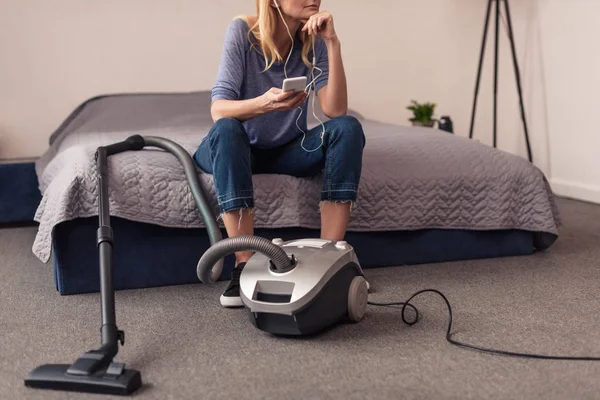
(55, 54)
(572, 74)
(58, 53)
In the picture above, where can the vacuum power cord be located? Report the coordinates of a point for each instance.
(466, 345)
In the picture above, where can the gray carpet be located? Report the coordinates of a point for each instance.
(188, 347)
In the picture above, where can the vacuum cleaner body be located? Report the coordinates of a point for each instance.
(326, 286)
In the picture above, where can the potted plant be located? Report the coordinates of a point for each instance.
(422, 113)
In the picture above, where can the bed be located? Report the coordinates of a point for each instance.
(425, 196)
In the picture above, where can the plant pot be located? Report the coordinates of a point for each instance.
(428, 124)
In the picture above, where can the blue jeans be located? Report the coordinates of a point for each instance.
(226, 153)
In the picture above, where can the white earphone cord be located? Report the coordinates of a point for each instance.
(312, 83)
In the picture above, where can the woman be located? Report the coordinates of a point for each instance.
(256, 126)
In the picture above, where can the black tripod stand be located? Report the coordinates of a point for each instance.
(515, 64)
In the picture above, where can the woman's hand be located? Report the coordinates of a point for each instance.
(276, 99)
(333, 96)
(321, 24)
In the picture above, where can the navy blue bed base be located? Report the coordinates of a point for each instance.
(19, 193)
(147, 255)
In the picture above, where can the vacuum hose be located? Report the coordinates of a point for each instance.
(214, 233)
(279, 258)
(210, 265)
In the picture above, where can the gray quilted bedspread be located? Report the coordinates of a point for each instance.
(413, 178)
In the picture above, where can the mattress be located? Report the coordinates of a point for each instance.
(413, 178)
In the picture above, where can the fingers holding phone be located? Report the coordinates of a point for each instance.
(294, 101)
(276, 99)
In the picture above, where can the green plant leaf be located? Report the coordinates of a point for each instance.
(422, 112)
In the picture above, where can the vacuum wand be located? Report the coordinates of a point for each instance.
(95, 371)
(109, 331)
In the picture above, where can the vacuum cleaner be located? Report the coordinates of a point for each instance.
(298, 287)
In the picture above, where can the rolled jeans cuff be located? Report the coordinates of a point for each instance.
(340, 192)
(236, 201)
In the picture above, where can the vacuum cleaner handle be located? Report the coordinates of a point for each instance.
(135, 142)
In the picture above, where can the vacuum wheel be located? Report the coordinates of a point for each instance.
(357, 298)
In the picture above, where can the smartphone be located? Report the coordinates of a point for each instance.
(295, 84)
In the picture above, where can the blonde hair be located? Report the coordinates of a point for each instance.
(263, 30)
